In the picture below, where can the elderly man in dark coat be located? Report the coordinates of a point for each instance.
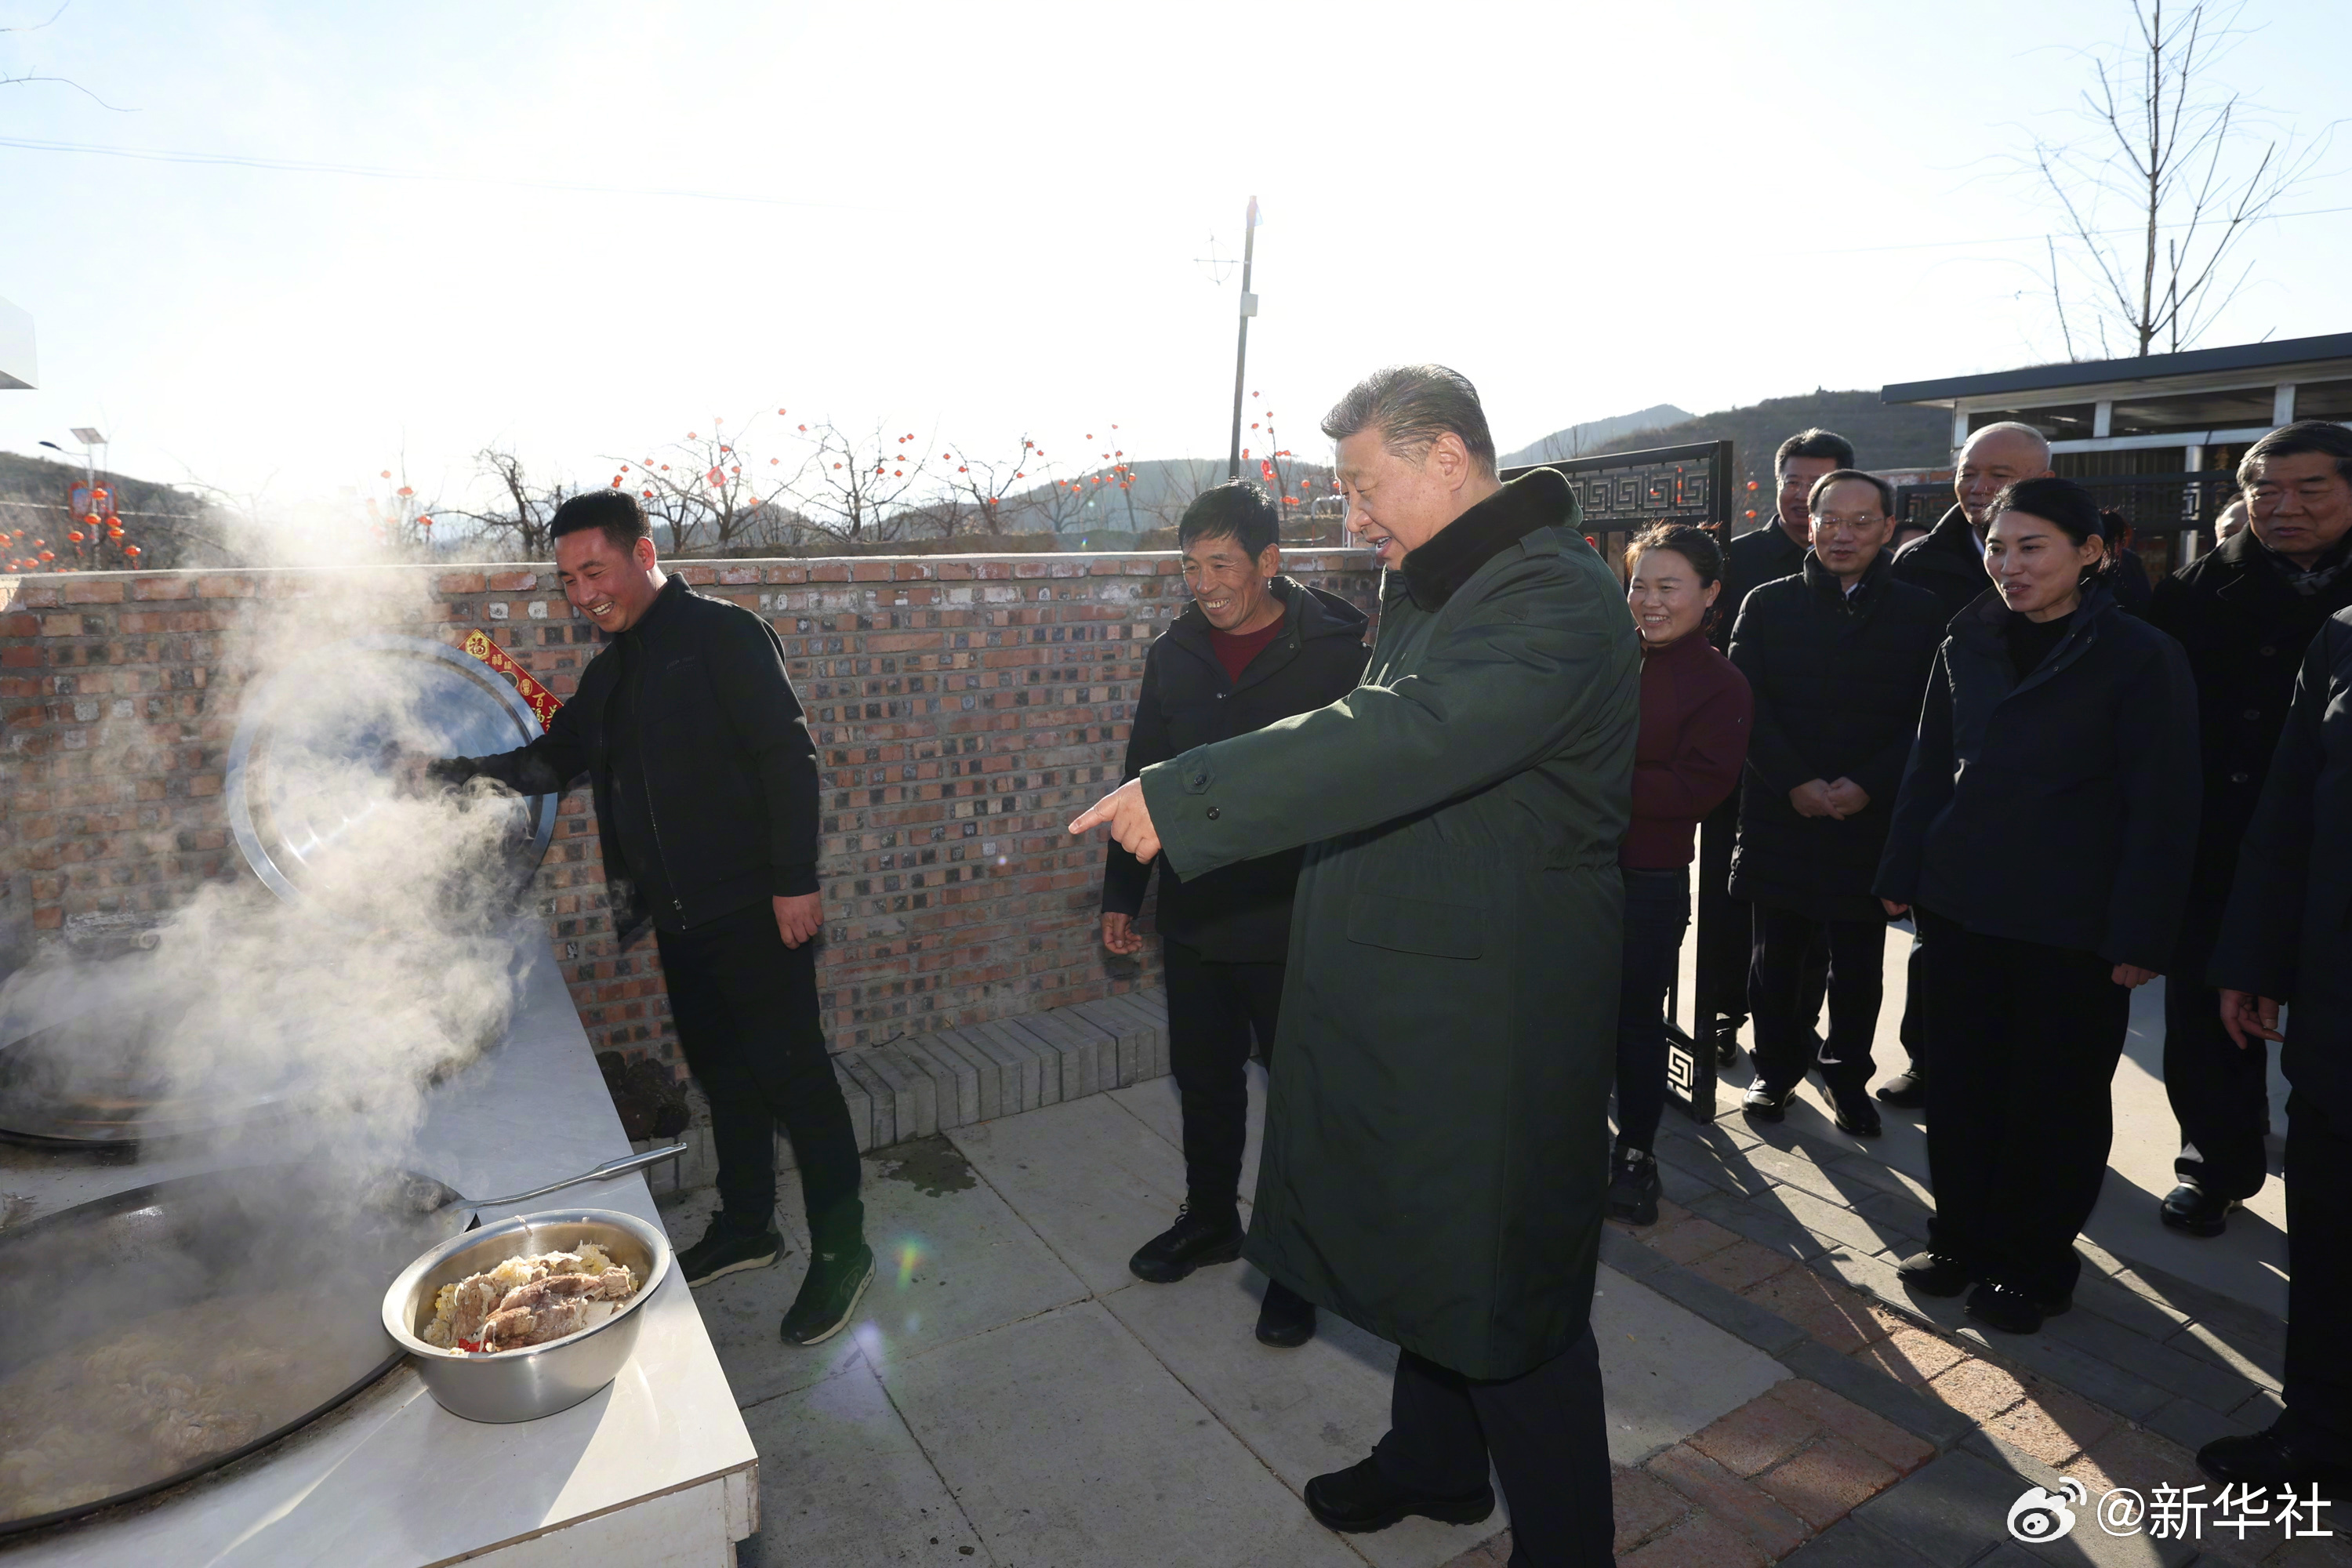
(1436, 1142)
(2245, 611)
(2284, 939)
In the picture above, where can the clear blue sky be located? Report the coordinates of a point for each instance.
(1588, 208)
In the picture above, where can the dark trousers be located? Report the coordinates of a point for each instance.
(1722, 927)
(745, 1005)
(2024, 1039)
(1914, 1028)
(1785, 990)
(1546, 1433)
(2319, 1392)
(2221, 1095)
(1657, 911)
(1212, 1009)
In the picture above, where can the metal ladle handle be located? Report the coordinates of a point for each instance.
(605, 1171)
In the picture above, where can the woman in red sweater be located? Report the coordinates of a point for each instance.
(1695, 709)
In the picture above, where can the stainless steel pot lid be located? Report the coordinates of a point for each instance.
(316, 744)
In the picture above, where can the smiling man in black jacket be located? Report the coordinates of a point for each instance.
(1252, 646)
(704, 783)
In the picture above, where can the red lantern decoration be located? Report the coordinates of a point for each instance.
(75, 536)
(131, 550)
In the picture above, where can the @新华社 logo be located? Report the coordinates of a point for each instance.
(2044, 1514)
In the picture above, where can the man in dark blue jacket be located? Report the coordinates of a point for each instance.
(1837, 657)
(1251, 648)
(2286, 939)
(705, 783)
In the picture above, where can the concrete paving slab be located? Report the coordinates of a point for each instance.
(1665, 1371)
(1092, 1179)
(843, 1483)
(1303, 1412)
(1122, 1465)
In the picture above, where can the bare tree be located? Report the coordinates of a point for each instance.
(2189, 158)
(521, 523)
(859, 490)
(715, 499)
(27, 79)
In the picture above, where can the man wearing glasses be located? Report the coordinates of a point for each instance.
(1837, 656)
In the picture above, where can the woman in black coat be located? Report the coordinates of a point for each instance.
(2043, 837)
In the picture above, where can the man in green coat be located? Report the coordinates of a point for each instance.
(1436, 1144)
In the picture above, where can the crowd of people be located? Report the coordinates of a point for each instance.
(1998, 732)
(1440, 881)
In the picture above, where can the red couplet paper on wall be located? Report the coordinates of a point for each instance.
(542, 701)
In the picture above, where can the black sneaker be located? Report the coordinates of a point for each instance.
(1906, 1090)
(1286, 1319)
(1852, 1111)
(1933, 1274)
(1726, 1042)
(2269, 1459)
(1767, 1104)
(1635, 1187)
(726, 1250)
(1190, 1243)
(829, 1296)
(1360, 1498)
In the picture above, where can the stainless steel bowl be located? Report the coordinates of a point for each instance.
(537, 1380)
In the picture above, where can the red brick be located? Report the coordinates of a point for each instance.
(1644, 1506)
(1910, 1356)
(1741, 1265)
(1827, 1481)
(513, 582)
(1729, 1497)
(1702, 1542)
(1756, 1435)
(1842, 1417)
(1843, 1318)
(1688, 1240)
(107, 590)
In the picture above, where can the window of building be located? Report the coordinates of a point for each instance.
(2323, 400)
(2189, 412)
(2061, 422)
(2129, 460)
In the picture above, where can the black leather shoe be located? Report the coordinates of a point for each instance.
(1726, 1042)
(1766, 1104)
(1190, 1243)
(1360, 1498)
(2268, 1459)
(1286, 1319)
(1853, 1113)
(1635, 1187)
(2012, 1310)
(2190, 1207)
(1906, 1090)
(724, 1249)
(1933, 1274)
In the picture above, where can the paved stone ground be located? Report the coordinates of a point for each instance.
(1775, 1394)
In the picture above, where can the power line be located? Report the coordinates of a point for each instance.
(370, 171)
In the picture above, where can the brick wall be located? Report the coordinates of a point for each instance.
(963, 709)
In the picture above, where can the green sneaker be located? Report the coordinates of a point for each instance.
(829, 1296)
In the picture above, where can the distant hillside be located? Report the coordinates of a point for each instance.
(1883, 436)
(171, 526)
(1578, 440)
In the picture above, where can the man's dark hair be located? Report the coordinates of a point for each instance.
(2063, 503)
(1815, 443)
(1411, 406)
(1236, 510)
(1821, 487)
(1695, 545)
(615, 512)
(2292, 440)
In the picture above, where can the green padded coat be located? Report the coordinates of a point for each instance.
(1436, 1145)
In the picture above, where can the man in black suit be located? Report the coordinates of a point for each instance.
(1949, 564)
(1726, 940)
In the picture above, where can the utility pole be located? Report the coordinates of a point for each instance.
(1241, 352)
